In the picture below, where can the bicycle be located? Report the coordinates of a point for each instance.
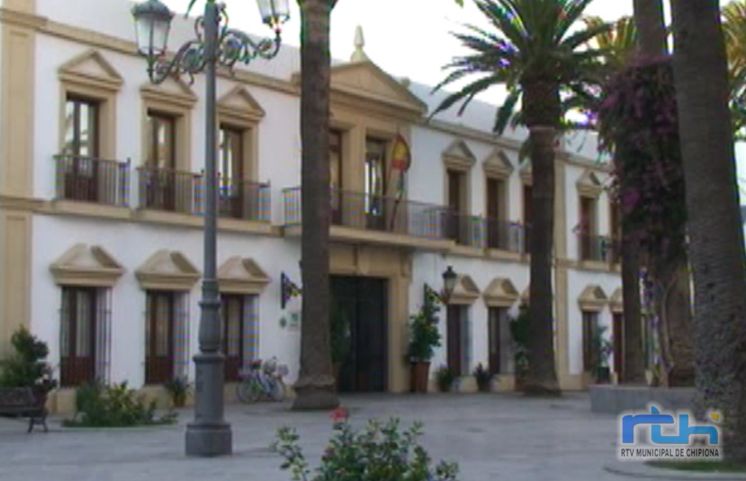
(262, 382)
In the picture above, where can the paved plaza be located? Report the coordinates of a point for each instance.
(490, 436)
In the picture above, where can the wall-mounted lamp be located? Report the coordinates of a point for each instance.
(288, 290)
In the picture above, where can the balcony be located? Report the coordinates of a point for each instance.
(170, 190)
(183, 192)
(598, 249)
(377, 214)
(487, 233)
(97, 181)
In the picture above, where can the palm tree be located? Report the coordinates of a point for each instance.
(315, 386)
(620, 46)
(716, 235)
(536, 49)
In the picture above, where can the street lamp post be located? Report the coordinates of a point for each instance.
(215, 44)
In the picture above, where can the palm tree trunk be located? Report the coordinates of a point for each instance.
(315, 386)
(715, 231)
(633, 368)
(651, 28)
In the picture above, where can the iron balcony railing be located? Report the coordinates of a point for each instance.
(243, 199)
(481, 232)
(170, 190)
(183, 192)
(598, 248)
(376, 213)
(87, 179)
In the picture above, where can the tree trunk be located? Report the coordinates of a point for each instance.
(315, 385)
(651, 28)
(651, 43)
(633, 369)
(541, 378)
(715, 230)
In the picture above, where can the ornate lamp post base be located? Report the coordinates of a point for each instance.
(204, 436)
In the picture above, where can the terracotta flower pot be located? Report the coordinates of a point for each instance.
(419, 376)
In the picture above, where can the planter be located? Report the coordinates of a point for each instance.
(419, 376)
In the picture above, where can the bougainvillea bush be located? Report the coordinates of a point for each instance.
(378, 452)
(638, 124)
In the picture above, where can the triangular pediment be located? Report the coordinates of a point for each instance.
(173, 90)
(459, 156)
(368, 81)
(240, 103)
(593, 298)
(498, 164)
(91, 67)
(500, 293)
(465, 292)
(242, 276)
(527, 173)
(167, 270)
(84, 265)
(589, 184)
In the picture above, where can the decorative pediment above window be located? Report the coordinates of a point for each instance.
(172, 91)
(527, 173)
(593, 299)
(465, 292)
(91, 69)
(240, 107)
(498, 165)
(242, 276)
(526, 295)
(167, 271)
(589, 184)
(458, 156)
(617, 301)
(500, 293)
(84, 265)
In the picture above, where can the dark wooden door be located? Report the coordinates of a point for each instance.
(618, 333)
(78, 345)
(455, 338)
(362, 303)
(495, 340)
(159, 361)
(232, 311)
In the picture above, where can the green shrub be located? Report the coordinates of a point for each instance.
(445, 376)
(98, 405)
(26, 366)
(380, 452)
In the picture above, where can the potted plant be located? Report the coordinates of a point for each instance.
(178, 389)
(423, 339)
(519, 331)
(483, 378)
(444, 376)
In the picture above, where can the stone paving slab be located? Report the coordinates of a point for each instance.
(501, 436)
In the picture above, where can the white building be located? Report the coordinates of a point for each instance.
(100, 200)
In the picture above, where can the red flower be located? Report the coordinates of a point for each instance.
(339, 415)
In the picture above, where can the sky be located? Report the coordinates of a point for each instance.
(407, 38)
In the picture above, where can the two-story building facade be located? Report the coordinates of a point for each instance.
(101, 202)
